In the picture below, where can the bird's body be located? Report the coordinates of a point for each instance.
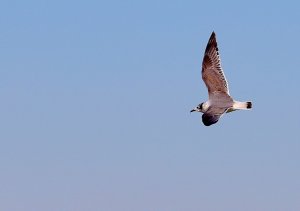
(219, 99)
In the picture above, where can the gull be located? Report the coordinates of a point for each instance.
(219, 100)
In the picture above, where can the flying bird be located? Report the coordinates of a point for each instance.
(219, 100)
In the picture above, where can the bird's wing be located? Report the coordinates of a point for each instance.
(212, 115)
(212, 73)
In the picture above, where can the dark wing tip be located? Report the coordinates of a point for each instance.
(209, 119)
(212, 43)
(212, 36)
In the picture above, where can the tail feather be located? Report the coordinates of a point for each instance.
(242, 105)
(249, 105)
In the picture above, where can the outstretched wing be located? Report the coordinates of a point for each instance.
(212, 115)
(212, 73)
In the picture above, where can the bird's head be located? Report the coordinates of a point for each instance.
(199, 108)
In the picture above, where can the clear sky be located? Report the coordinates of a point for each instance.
(95, 99)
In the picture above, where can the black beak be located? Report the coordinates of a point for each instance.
(192, 110)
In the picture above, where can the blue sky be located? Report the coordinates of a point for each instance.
(95, 100)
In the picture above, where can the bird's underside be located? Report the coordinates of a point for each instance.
(219, 103)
